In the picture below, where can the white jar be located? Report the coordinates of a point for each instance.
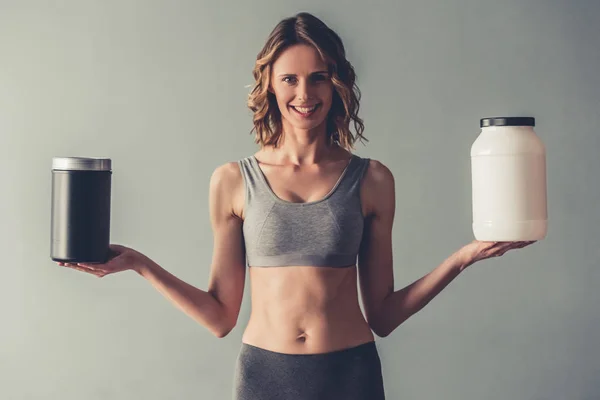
(508, 170)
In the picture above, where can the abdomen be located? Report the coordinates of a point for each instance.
(304, 310)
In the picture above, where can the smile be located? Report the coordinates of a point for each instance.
(305, 111)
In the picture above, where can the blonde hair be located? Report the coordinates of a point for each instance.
(305, 28)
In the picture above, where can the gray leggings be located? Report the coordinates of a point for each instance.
(349, 374)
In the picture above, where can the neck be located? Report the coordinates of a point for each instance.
(302, 147)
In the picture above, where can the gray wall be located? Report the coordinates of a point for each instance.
(160, 87)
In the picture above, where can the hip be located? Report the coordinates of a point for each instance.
(351, 374)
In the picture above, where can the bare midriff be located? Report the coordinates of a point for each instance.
(305, 310)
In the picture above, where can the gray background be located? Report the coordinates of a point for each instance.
(160, 87)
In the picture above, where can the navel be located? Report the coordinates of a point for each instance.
(301, 338)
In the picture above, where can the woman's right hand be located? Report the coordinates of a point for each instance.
(121, 258)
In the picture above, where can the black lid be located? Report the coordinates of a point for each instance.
(507, 121)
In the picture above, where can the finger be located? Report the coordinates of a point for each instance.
(506, 246)
(489, 246)
(102, 268)
(513, 246)
(93, 267)
(525, 244)
(83, 269)
(66, 264)
(90, 266)
(501, 248)
(79, 267)
(494, 249)
(510, 245)
(97, 269)
(520, 245)
(492, 254)
(502, 245)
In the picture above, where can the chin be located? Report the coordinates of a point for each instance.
(306, 125)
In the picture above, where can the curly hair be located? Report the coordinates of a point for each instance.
(304, 28)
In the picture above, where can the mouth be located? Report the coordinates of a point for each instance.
(305, 111)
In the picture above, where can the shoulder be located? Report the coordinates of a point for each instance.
(378, 187)
(377, 174)
(226, 174)
(227, 185)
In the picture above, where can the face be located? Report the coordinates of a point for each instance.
(301, 84)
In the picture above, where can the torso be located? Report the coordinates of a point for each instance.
(304, 309)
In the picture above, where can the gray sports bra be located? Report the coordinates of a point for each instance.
(323, 233)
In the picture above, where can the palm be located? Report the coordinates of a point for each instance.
(121, 259)
(479, 250)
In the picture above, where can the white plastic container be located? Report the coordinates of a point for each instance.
(508, 170)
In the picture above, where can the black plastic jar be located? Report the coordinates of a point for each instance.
(81, 197)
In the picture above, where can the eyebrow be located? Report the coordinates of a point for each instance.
(312, 73)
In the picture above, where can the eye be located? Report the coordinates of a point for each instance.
(319, 78)
(289, 79)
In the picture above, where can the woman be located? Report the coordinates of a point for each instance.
(308, 216)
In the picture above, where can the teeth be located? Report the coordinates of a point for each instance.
(305, 110)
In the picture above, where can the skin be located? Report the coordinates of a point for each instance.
(302, 309)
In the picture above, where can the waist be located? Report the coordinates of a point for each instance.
(307, 330)
(299, 310)
(313, 338)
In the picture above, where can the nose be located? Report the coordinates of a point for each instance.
(303, 90)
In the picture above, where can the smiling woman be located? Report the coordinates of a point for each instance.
(302, 53)
(302, 94)
(308, 221)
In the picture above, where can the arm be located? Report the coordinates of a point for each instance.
(385, 308)
(218, 308)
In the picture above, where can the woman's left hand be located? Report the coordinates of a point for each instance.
(478, 250)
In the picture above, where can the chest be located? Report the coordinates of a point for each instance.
(294, 184)
(302, 187)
